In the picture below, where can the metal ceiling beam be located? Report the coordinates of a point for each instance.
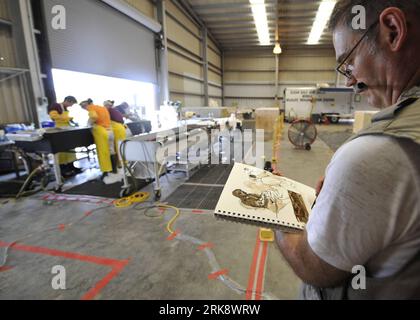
(244, 32)
(225, 5)
(249, 18)
(231, 25)
(236, 14)
(223, 27)
(247, 23)
(207, 14)
(284, 40)
(286, 45)
(231, 22)
(281, 38)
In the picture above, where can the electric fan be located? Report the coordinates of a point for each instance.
(302, 134)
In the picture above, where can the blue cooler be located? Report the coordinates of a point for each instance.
(14, 128)
(48, 124)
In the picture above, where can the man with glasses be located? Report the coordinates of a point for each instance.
(367, 215)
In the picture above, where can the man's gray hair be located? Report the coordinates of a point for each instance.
(342, 14)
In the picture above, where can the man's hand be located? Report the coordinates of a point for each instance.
(306, 264)
(319, 186)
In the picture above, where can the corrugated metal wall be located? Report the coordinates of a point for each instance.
(4, 10)
(13, 81)
(185, 60)
(214, 56)
(249, 78)
(144, 6)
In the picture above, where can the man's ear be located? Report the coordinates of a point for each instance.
(393, 24)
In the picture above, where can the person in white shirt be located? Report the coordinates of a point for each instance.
(368, 209)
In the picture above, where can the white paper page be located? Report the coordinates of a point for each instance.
(254, 194)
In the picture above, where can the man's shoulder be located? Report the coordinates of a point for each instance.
(376, 154)
(370, 147)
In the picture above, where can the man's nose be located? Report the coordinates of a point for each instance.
(350, 82)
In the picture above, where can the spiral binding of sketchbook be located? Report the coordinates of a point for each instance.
(256, 197)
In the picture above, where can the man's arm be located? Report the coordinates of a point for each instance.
(306, 264)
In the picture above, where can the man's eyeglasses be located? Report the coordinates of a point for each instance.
(343, 67)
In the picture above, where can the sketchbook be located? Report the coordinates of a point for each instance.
(257, 197)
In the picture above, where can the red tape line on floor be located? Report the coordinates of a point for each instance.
(5, 268)
(63, 254)
(173, 235)
(217, 274)
(87, 214)
(261, 272)
(116, 265)
(104, 282)
(208, 245)
(251, 279)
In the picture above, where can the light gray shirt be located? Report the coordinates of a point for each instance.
(368, 212)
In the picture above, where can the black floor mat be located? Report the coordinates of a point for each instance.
(97, 188)
(212, 174)
(195, 197)
(198, 192)
(9, 189)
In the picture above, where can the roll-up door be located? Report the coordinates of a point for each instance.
(100, 40)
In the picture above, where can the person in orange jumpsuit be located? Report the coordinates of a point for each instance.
(103, 135)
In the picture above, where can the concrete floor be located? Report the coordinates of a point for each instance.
(141, 263)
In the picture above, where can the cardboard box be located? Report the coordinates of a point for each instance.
(362, 120)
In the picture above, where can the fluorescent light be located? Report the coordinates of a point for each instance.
(277, 49)
(261, 22)
(322, 17)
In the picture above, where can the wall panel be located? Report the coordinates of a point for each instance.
(215, 78)
(249, 77)
(4, 10)
(7, 50)
(179, 15)
(13, 103)
(182, 37)
(214, 58)
(144, 6)
(185, 85)
(184, 66)
(188, 100)
(215, 92)
(185, 59)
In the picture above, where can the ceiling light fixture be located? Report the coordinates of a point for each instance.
(322, 17)
(261, 23)
(277, 49)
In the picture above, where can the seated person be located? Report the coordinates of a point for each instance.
(124, 109)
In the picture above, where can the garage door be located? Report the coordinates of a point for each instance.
(100, 40)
